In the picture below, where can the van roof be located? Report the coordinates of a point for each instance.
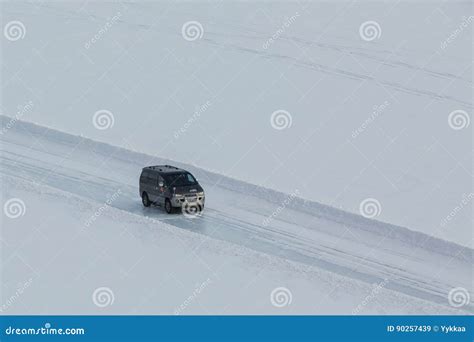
(164, 168)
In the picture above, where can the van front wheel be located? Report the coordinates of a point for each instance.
(168, 206)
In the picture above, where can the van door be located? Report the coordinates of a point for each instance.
(160, 191)
(145, 182)
(153, 187)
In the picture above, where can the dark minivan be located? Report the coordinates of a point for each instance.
(171, 187)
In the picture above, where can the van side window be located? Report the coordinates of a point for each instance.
(144, 177)
(153, 178)
(149, 177)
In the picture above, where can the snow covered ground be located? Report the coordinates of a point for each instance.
(81, 226)
(378, 116)
(369, 117)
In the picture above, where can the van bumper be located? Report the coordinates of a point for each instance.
(178, 202)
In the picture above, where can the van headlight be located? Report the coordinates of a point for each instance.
(178, 196)
(200, 193)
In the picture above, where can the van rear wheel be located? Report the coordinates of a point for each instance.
(168, 206)
(145, 200)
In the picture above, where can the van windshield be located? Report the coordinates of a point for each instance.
(180, 179)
